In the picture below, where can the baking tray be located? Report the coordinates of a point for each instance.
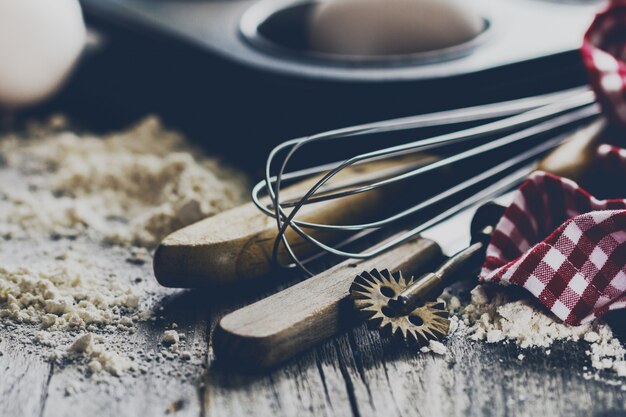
(517, 31)
(209, 67)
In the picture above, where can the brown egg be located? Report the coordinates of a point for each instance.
(391, 27)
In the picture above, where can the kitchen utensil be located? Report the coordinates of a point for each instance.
(280, 326)
(372, 291)
(400, 307)
(276, 328)
(236, 246)
(272, 36)
(239, 245)
(569, 109)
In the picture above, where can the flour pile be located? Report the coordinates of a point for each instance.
(494, 315)
(68, 198)
(131, 187)
(62, 296)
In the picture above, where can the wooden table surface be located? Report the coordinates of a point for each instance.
(354, 374)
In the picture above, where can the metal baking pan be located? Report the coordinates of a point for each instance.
(518, 31)
(214, 66)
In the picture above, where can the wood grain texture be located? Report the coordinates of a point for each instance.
(276, 328)
(235, 247)
(24, 380)
(354, 374)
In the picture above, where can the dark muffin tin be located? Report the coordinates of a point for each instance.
(240, 70)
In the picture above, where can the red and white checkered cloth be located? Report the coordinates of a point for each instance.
(578, 271)
(556, 240)
(604, 55)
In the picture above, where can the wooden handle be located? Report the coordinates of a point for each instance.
(577, 160)
(574, 158)
(236, 246)
(278, 327)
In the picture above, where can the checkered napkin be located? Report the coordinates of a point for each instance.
(564, 246)
(556, 240)
(604, 55)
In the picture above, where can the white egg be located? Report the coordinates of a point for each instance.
(40, 41)
(390, 27)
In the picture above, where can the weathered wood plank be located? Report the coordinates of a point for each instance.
(370, 377)
(312, 385)
(475, 379)
(24, 377)
(165, 386)
(354, 374)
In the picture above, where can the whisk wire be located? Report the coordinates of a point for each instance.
(478, 113)
(535, 116)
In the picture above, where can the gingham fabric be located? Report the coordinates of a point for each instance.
(612, 157)
(604, 54)
(566, 247)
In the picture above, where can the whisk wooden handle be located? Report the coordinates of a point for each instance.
(573, 158)
(278, 327)
(236, 246)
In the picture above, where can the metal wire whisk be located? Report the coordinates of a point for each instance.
(503, 124)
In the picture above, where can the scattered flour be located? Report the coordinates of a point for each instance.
(437, 347)
(70, 390)
(121, 192)
(99, 357)
(170, 337)
(494, 316)
(84, 344)
(134, 186)
(61, 295)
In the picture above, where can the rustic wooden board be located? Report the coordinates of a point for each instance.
(354, 374)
